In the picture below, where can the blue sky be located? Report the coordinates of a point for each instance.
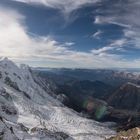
(69, 33)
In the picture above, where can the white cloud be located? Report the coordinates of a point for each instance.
(134, 36)
(110, 20)
(124, 14)
(116, 45)
(69, 44)
(15, 41)
(17, 44)
(101, 50)
(97, 34)
(119, 43)
(65, 6)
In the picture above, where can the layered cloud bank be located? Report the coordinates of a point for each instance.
(22, 46)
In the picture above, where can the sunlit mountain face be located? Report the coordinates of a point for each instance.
(71, 34)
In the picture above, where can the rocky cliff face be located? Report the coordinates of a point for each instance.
(124, 106)
(132, 134)
(126, 97)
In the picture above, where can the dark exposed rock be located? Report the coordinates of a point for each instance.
(51, 134)
(125, 108)
(132, 134)
(17, 76)
(23, 128)
(12, 84)
(126, 97)
(8, 110)
(6, 73)
(26, 95)
(0, 75)
(4, 94)
(62, 98)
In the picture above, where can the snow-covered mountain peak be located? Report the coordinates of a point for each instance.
(133, 84)
(27, 111)
(5, 62)
(4, 59)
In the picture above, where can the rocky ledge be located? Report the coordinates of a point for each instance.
(131, 134)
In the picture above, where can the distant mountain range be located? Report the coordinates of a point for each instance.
(113, 93)
(112, 77)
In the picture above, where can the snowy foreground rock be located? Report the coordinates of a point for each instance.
(27, 112)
